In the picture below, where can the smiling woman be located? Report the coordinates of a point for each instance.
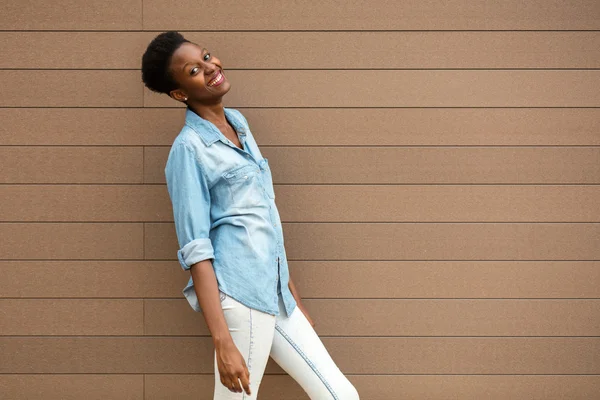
(230, 235)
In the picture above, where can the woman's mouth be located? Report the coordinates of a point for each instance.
(217, 80)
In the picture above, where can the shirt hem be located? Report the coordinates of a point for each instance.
(250, 304)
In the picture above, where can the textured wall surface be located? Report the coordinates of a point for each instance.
(436, 166)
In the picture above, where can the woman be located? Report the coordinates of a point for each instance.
(230, 234)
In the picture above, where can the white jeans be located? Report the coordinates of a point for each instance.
(291, 342)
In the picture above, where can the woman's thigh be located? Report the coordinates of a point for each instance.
(252, 332)
(299, 351)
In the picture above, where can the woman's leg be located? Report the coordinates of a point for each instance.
(252, 332)
(299, 351)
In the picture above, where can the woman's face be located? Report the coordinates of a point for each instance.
(199, 75)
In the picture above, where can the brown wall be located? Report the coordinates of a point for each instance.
(437, 169)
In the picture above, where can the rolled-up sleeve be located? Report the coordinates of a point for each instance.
(190, 198)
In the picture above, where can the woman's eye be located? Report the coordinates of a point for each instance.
(206, 57)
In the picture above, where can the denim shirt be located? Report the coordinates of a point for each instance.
(224, 210)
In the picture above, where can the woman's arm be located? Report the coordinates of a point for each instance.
(207, 291)
(230, 362)
(188, 188)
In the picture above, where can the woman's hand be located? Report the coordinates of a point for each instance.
(232, 366)
(301, 307)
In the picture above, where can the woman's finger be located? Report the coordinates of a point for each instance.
(226, 382)
(235, 384)
(244, 379)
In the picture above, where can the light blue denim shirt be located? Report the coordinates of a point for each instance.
(224, 210)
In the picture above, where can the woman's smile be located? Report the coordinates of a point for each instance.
(217, 80)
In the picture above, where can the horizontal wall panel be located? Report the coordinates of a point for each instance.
(313, 203)
(311, 126)
(71, 15)
(329, 50)
(439, 241)
(387, 387)
(71, 203)
(70, 88)
(418, 241)
(71, 317)
(38, 164)
(89, 126)
(74, 50)
(66, 279)
(387, 50)
(200, 387)
(73, 387)
(372, 387)
(353, 279)
(106, 355)
(433, 165)
(447, 279)
(405, 88)
(390, 317)
(431, 203)
(436, 126)
(25, 241)
(379, 15)
(416, 165)
(401, 355)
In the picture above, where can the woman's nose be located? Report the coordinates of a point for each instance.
(210, 67)
(209, 72)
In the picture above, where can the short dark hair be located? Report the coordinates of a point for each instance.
(156, 61)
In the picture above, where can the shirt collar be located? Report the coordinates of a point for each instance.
(208, 131)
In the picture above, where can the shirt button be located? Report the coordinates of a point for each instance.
(245, 176)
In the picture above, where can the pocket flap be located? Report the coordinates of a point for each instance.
(237, 172)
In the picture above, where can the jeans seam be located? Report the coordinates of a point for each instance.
(249, 351)
(305, 357)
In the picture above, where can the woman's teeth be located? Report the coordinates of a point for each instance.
(217, 80)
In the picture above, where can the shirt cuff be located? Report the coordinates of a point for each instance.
(195, 251)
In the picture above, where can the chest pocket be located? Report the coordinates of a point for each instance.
(244, 186)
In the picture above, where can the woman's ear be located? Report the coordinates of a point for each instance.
(178, 95)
